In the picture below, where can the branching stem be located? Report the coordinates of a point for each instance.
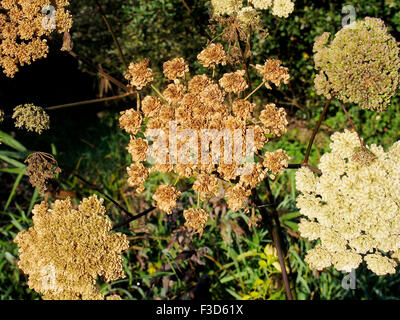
(86, 102)
(116, 42)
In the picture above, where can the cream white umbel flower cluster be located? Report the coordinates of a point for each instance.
(280, 8)
(353, 208)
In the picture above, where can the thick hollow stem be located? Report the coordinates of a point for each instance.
(271, 221)
(315, 131)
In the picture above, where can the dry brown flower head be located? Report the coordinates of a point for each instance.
(196, 219)
(130, 121)
(67, 249)
(41, 167)
(166, 197)
(272, 71)
(212, 56)
(139, 75)
(175, 69)
(234, 82)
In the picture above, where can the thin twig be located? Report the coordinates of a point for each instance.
(101, 72)
(255, 90)
(186, 7)
(93, 186)
(315, 131)
(245, 61)
(133, 218)
(116, 42)
(86, 102)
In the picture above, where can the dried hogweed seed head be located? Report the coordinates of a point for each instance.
(213, 55)
(274, 120)
(237, 197)
(24, 29)
(198, 83)
(363, 156)
(202, 105)
(174, 93)
(243, 108)
(138, 149)
(234, 82)
(361, 65)
(151, 106)
(166, 197)
(130, 121)
(272, 71)
(175, 68)
(31, 117)
(138, 174)
(139, 75)
(41, 167)
(353, 206)
(229, 7)
(196, 219)
(212, 95)
(67, 249)
(206, 185)
(276, 162)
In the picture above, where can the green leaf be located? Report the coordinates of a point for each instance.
(11, 142)
(11, 161)
(14, 170)
(290, 216)
(292, 225)
(13, 191)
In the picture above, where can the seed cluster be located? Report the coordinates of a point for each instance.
(353, 208)
(361, 65)
(41, 167)
(67, 249)
(32, 118)
(24, 29)
(197, 114)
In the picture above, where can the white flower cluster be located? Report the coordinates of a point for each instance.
(353, 208)
(280, 8)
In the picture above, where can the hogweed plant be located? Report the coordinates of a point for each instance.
(208, 135)
(206, 129)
